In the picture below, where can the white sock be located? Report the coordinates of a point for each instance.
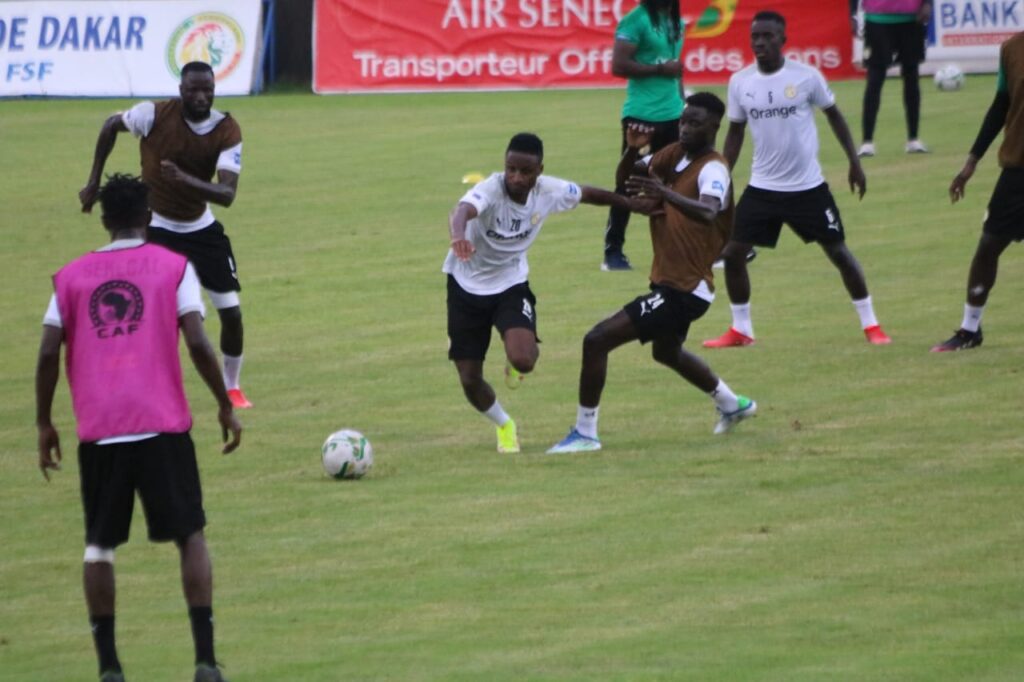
(232, 371)
(497, 414)
(586, 421)
(972, 317)
(741, 319)
(724, 398)
(866, 311)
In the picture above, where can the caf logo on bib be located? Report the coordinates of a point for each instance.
(210, 37)
(115, 309)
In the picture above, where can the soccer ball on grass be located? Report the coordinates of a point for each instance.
(347, 454)
(948, 78)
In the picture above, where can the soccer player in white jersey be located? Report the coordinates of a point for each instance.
(491, 229)
(777, 97)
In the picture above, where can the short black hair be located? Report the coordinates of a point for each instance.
(527, 143)
(707, 100)
(197, 67)
(770, 15)
(125, 201)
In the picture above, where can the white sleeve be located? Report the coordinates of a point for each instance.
(734, 109)
(139, 119)
(190, 299)
(821, 95)
(714, 180)
(52, 317)
(484, 194)
(231, 159)
(566, 195)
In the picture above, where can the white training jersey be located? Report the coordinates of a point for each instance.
(503, 231)
(779, 110)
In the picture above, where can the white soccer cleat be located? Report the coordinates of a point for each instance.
(866, 149)
(575, 442)
(727, 420)
(916, 147)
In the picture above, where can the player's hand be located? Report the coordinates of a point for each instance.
(229, 423)
(645, 186)
(672, 68)
(463, 249)
(49, 450)
(638, 135)
(648, 206)
(170, 171)
(959, 184)
(858, 181)
(87, 195)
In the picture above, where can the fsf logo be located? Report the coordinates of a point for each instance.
(714, 20)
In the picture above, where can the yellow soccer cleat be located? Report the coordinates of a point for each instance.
(513, 377)
(508, 440)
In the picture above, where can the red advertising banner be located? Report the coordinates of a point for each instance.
(431, 45)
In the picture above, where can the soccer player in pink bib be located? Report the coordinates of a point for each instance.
(118, 311)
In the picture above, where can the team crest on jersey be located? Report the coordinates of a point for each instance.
(210, 37)
(790, 91)
(115, 309)
(535, 219)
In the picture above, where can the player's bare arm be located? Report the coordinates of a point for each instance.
(221, 192)
(206, 364)
(462, 214)
(625, 65)
(104, 145)
(602, 197)
(858, 181)
(734, 142)
(638, 136)
(47, 373)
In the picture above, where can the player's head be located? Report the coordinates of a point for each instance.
(125, 203)
(700, 121)
(196, 90)
(524, 162)
(767, 36)
(669, 7)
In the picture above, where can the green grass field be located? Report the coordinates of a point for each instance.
(866, 526)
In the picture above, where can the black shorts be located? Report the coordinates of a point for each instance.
(812, 214)
(164, 472)
(664, 133)
(209, 249)
(1005, 214)
(665, 312)
(888, 44)
(470, 318)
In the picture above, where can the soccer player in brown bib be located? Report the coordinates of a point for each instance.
(184, 142)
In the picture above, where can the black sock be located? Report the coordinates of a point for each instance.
(202, 633)
(103, 636)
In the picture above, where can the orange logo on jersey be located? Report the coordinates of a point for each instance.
(714, 20)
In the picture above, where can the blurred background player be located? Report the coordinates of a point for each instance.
(777, 97)
(648, 43)
(491, 229)
(183, 143)
(124, 372)
(689, 181)
(1004, 220)
(894, 33)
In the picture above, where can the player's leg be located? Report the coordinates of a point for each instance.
(877, 58)
(618, 219)
(229, 310)
(108, 498)
(980, 281)
(912, 37)
(601, 340)
(470, 318)
(758, 222)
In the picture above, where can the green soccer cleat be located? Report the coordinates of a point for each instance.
(508, 440)
(727, 420)
(575, 442)
(513, 377)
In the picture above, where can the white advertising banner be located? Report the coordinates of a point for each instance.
(967, 33)
(103, 48)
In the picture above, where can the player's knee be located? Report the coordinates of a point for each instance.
(94, 554)
(665, 354)
(523, 361)
(232, 315)
(595, 342)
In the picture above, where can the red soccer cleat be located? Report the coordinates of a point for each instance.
(729, 339)
(876, 336)
(238, 398)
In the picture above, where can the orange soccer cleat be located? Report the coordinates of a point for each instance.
(729, 339)
(876, 336)
(238, 398)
